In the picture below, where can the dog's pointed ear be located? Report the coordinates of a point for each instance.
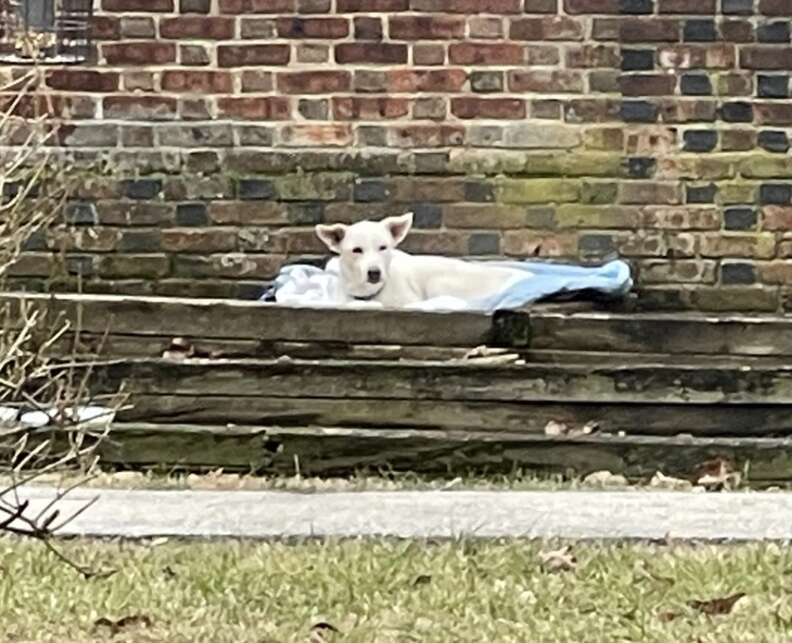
(399, 226)
(332, 235)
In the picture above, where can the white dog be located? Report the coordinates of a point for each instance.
(372, 269)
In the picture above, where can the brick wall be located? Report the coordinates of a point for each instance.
(566, 129)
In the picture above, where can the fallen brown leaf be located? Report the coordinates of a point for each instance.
(126, 622)
(718, 474)
(717, 606)
(666, 616)
(558, 560)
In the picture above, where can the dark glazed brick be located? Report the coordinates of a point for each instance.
(738, 273)
(484, 243)
(700, 140)
(700, 31)
(194, 6)
(738, 7)
(80, 265)
(773, 141)
(308, 213)
(479, 192)
(596, 245)
(486, 81)
(634, 7)
(255, 190)
(775, 194)
(426, 215)
(141, 189)
(36, 242)
(701, 193)
(738, 112)
(640, 167)
(639, 111)
(739, 219)
(192, 214)
(695, 85)
(637, 59)
(370, 191)
(773, 86)
(140, 241)
(774, 31)
(81, 214)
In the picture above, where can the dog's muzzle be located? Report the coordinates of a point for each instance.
(374, 276)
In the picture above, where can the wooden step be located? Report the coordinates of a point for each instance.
(341, 451)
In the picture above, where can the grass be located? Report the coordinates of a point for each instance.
(375, 591)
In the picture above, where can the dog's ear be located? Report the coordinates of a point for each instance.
(332, 235)
(399, 226)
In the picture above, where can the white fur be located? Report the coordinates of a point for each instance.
(369, 247)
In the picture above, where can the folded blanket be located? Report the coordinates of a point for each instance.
(309, 286)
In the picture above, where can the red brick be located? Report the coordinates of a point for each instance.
(139, 53)
(467, 6)
(269, 108)
(775, 7)
(702, 7)
(647, 84)
(776, 217)
(314, 82)
(426, 80)
(139, 107)
(499, 108)
(207, 82)
(766, 57)
(639, 192)
(651, 30)
(549, 28)
(737, 30)
(374, 53)
(425, 54)
(479, 53)
(372, 6)
(591, 6)
(105, 28)
(775, 113)
(138, 5)
(324, 28)
(202, 27)
(546, 81)
(425, 27)
(244, 55)
(82, 80)
(257, 6)
(369, 108)
(316, 135)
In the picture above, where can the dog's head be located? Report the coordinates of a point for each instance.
(365, 249)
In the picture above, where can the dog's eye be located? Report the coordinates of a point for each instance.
(357, 251)
(383, 248)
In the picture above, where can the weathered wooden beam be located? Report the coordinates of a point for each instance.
(686, 333)
(468, 381)
(335, 451)
(234, 319)
(515, 417)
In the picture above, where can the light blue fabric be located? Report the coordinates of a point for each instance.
(309, 285)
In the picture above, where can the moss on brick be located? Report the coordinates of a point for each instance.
(766, 166)
(537, 191)
(736, 192)
(598, 193)
(589, 216)
(314, 186)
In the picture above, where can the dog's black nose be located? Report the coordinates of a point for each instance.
(374, 275)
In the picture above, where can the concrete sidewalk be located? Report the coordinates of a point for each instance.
(427, 514)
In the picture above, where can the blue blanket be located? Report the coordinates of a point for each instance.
(305, 285)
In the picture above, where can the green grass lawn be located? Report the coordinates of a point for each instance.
(374, 590)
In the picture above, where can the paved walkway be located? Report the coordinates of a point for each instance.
(428, 514)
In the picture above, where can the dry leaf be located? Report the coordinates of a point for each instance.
(322, 631)
(605, 479)
(718, 474)
(661, 481)
(556, 428)
(558, 560)
(666, 616)
(133, 620)
(717, 606)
